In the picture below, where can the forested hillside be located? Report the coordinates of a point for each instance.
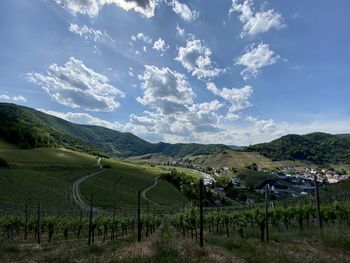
(29, 128)
(319, 148)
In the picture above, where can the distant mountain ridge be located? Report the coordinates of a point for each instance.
(318, 147)
(30, 128)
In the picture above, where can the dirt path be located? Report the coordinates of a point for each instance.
(75, 189)
(167, 245)
(143, 194)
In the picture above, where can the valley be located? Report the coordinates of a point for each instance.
(47, 190)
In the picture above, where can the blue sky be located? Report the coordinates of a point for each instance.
(234, 72)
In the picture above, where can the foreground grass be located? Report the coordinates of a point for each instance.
(168, 246)
(311, 245)
(62, 251)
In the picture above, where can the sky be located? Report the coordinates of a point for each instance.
(236, 72)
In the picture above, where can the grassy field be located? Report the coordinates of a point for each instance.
(238, 159)
(47, 175)
(47, 157)
(7, 145)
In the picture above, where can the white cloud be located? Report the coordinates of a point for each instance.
(238, 98)
(77, 86)
(172, 111)
(93, 7)
(184, 11)
(131, 71)
(202, 125)
(193, 119)
(180, 31)
(4, 97)
(230, 116)
(160, 46)
(255, 58)
(196, 59)
(256, 22)
(83, 118)
(143, 37)
(18, 98)
(89, 33)
(165, 90)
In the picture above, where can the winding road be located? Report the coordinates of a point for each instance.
(76, 195)
(143, 194)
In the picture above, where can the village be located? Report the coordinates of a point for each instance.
(286, 181)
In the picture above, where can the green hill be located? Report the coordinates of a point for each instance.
(318, 148)
(29, 128)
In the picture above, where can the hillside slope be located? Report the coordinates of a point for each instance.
(30, 128)
(319, 148)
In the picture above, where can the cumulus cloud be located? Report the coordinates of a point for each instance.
(172, 111)
(256, 22)
(77, 86)
(192, 119)
(184, 11)
(93, 7)
(142, 37)
(18, 98)
(255, 58)
(165, 90)
(180, 31)
(238, 98)
(196, 59)
(83, 118)
(160, 46)
(89, 33)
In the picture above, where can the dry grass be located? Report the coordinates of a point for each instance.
(168, 246)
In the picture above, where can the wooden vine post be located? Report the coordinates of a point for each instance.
(26, 226)
(38, 223)
(139, 216)
(201, 213)
(267, 212)
(317, 197)
(90, 220)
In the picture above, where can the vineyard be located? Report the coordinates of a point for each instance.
(40, 222)
(193, 229)
(41, 227)
(229, 222)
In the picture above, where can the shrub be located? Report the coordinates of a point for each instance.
(3, 163)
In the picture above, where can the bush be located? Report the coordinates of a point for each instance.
(3, 163)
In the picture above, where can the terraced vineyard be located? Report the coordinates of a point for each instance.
(47, 175)
(118, 186)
